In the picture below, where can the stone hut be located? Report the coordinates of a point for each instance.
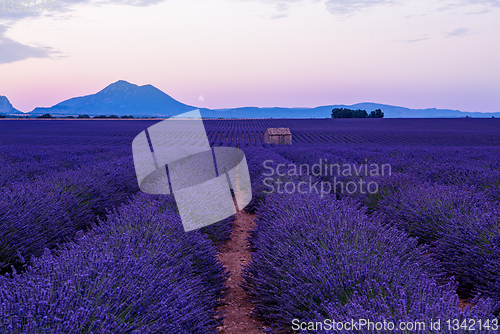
(280, 136)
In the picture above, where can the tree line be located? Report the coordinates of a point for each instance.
(86, 116)
(349, 113)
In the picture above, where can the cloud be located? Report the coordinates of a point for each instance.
(491, 3)
(138, 3)
(279, 16)
(348, 7)
(282, 7)
(479, 12)
(458, 32)
(417, 40)
(13, 51)
(481, 6)
(336, 7)
(28, 12)
(16, 15)
(282, 4)
(58, 7)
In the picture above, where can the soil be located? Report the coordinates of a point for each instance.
(235, 253)
(237, 308)
(463, 303)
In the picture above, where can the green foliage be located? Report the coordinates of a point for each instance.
(349, 113)
(376, 114)
(113, 116)
(46, 116)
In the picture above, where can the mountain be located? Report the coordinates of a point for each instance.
(325, 112)
(402, 112)
(123, 98)
(120, 98)
(6, 107)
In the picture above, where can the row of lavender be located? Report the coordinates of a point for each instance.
(430, 234)
(75, 264)
(31, 162)
(447, 198)
(137, 271)
(74, 199)
(248, 133)
(48, 193)
(356, 132)
(45, 211)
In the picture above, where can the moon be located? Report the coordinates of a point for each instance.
(201, 98)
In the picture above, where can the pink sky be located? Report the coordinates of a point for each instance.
(233, 53)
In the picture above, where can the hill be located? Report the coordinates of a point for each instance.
(6, 107)
(325, 112)
(123, 98)
(120, 98)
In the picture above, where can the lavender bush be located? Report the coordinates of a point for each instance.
(424, 209)
(469, 249)
(220, 232)
(315, 258)
(44, 213)
(318, 258)
(34, 216)
(19, 163)
(460, 223)
(256, 158)
(138, 272)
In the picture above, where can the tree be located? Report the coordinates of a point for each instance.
(348, 113)
(360, 113)
(46, 116)
(83, 116)
(376, 114)
(342, 113)
(127, 117)
(3, 116)
(100, 116)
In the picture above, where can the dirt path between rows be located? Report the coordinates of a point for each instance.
(234, 254)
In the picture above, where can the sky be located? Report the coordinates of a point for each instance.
(265, 53)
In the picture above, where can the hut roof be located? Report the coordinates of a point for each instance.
(278, 131)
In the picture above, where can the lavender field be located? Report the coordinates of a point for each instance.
(82, 250)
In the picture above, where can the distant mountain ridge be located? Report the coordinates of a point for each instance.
(326, 111)
(6, 107)
(120, 98)
(123, 98)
